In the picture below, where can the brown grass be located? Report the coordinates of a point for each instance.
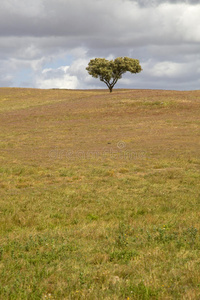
(99, 194)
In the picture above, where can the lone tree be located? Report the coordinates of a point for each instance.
(110, 71)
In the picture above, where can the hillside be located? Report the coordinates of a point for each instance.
(99, 194)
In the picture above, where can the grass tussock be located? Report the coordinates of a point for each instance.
(99, 194)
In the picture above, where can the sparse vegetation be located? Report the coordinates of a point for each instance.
(99, 194)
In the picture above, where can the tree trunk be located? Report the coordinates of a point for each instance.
(110, 88)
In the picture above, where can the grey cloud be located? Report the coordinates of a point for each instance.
(34, 34)
(60, 18)
(97, 24)
(144, 3)
(179, 1)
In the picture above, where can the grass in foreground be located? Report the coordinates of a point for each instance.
(99, 194)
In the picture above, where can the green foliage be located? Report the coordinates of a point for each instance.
(139, 291)
(111, 71)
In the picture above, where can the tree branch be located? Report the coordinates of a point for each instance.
(114, 82)
(106, 82)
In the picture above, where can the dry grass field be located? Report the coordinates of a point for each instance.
(99, 194)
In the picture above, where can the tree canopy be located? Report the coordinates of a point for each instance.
(110, 71)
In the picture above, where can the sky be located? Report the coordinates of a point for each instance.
(49, 43)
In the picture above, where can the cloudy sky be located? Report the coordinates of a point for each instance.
(48, 43)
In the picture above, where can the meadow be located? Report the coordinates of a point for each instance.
(99, 194)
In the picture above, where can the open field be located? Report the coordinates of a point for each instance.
(99, 194)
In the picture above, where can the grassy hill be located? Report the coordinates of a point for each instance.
(99, 194)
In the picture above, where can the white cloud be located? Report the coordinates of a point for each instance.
(189, 23)
(167, 69)
(57, 78)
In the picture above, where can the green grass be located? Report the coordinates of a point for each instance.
(99, 194)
